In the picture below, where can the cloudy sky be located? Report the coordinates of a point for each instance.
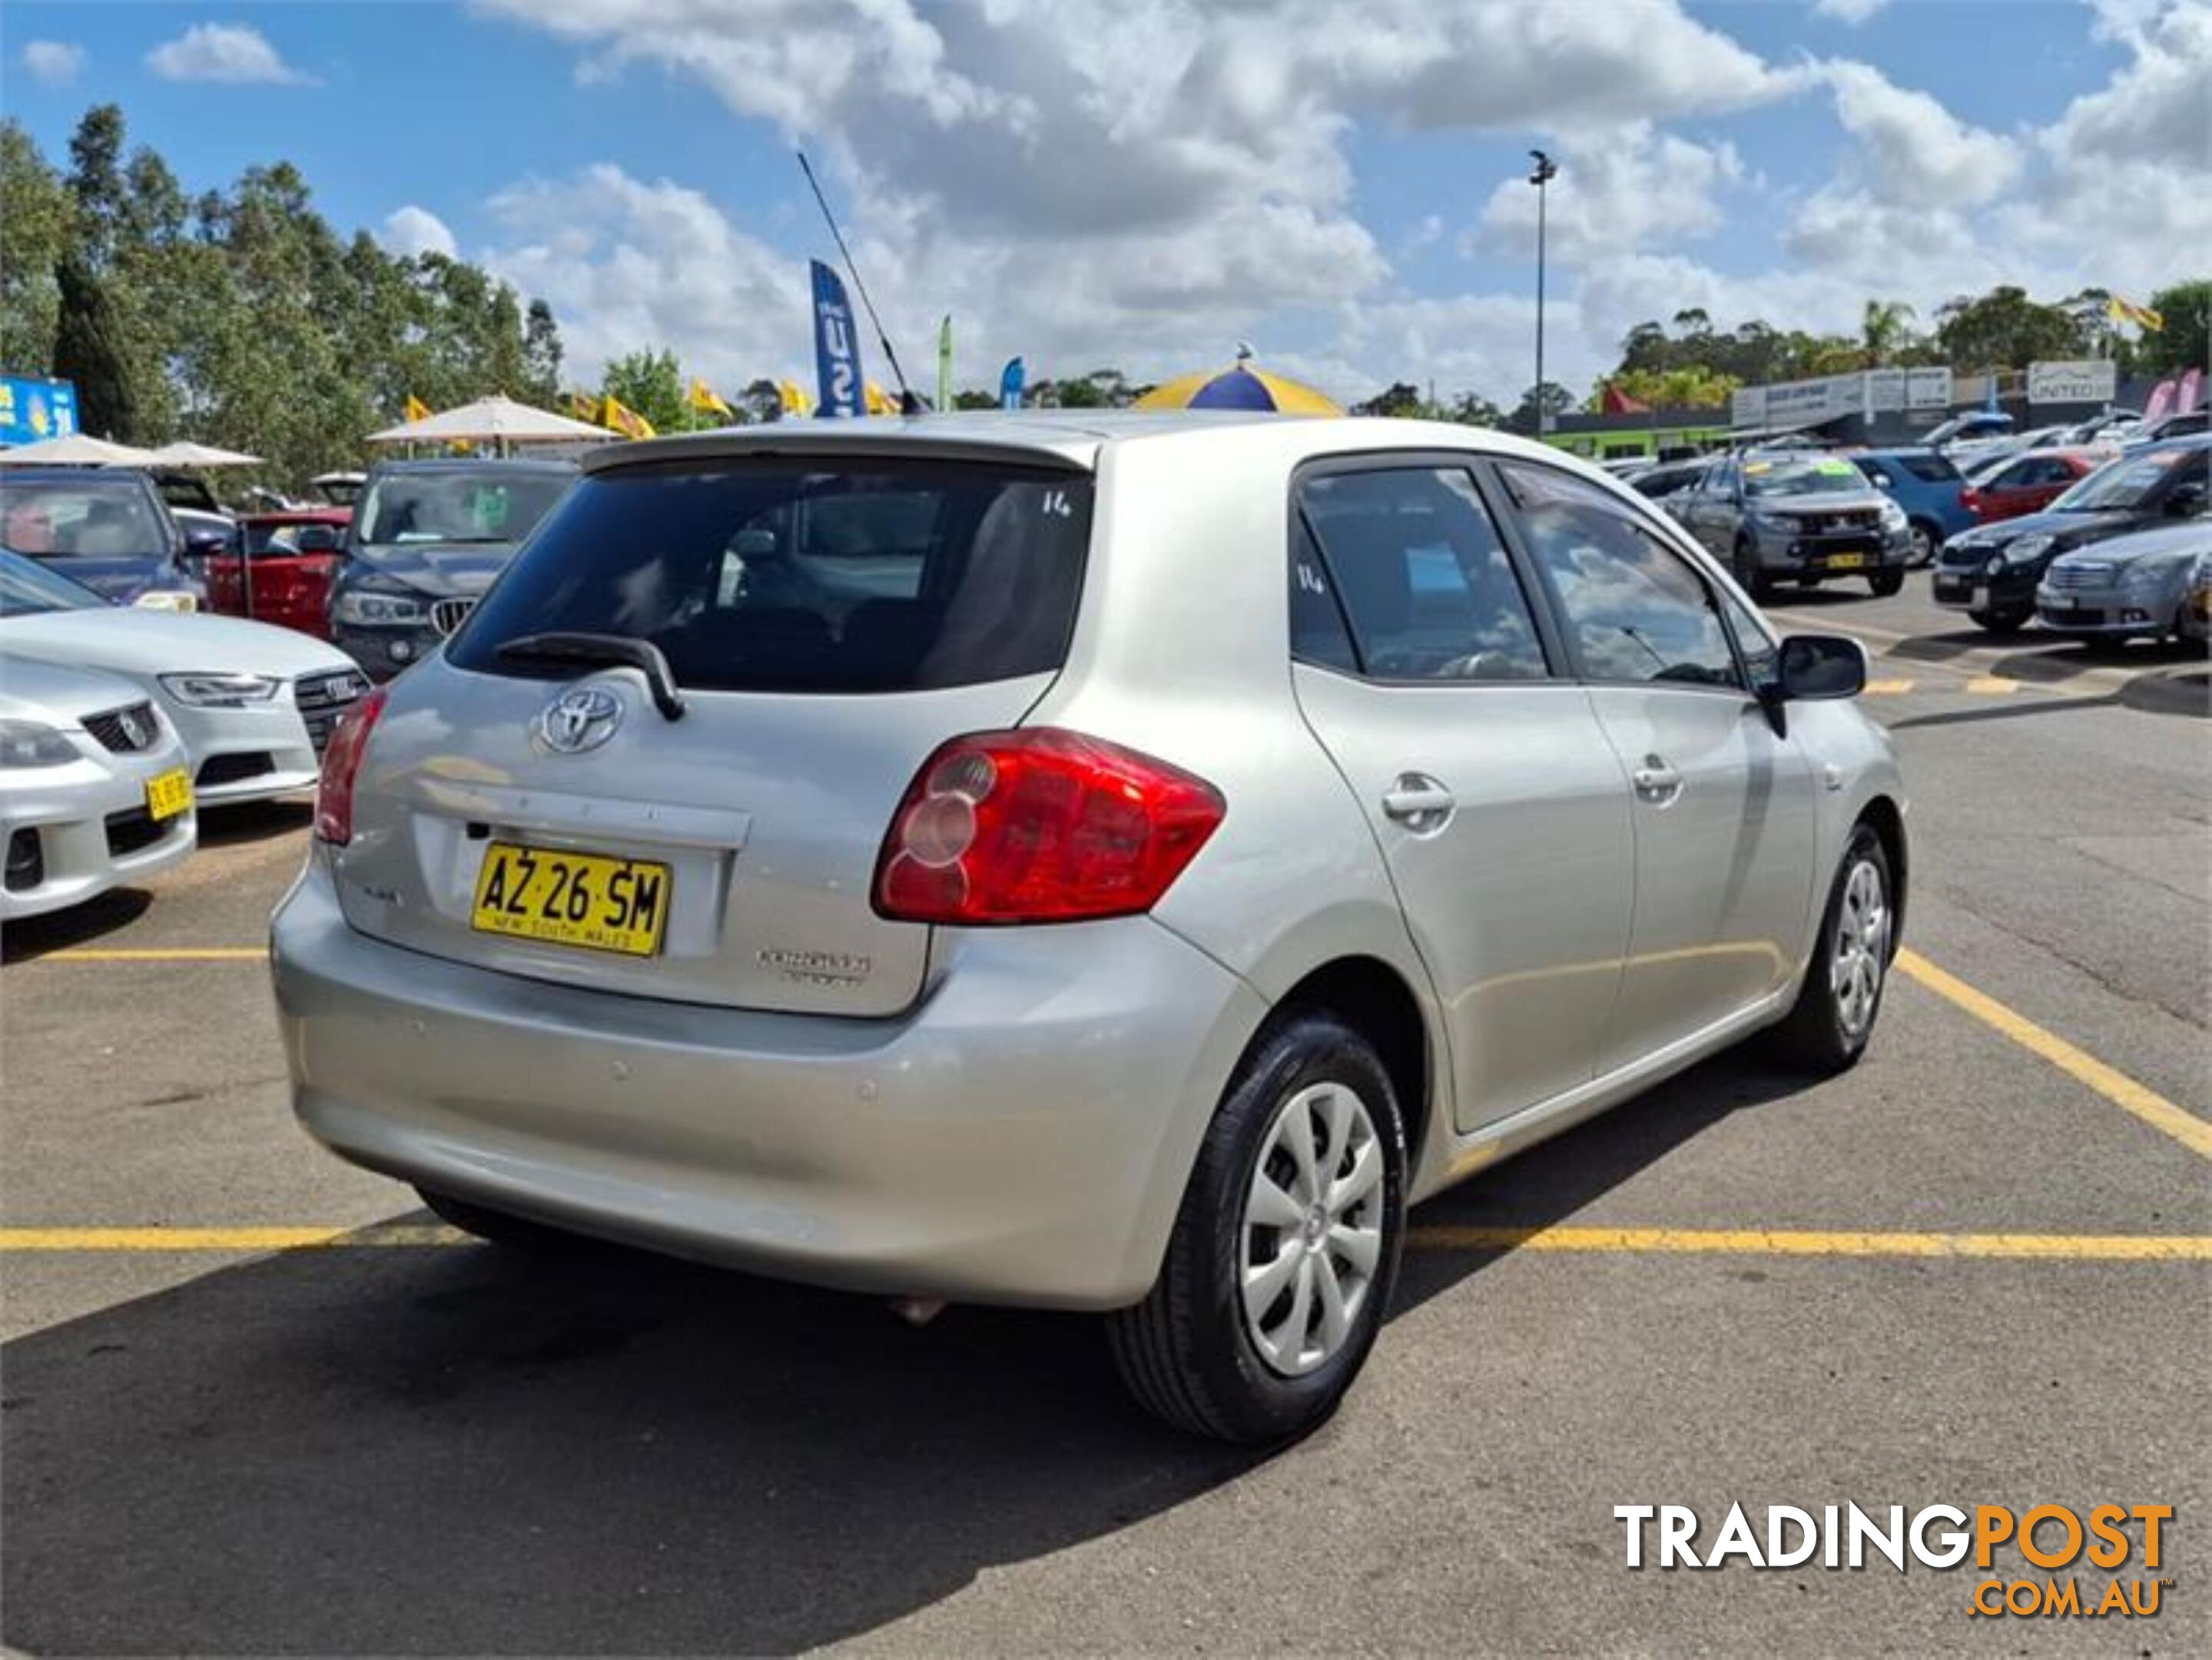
(1143, 183)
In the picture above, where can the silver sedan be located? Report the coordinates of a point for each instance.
(1110, 862)
(2138, 587)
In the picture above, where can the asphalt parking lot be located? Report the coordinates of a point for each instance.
(253, 1402)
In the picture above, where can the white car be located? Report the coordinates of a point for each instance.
(254, 704)
(95, 789)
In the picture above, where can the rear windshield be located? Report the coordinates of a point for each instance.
(488, 505)
(801, 574)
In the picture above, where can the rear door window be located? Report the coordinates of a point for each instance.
(804, 574)
(1427, 585)
(1930, 469)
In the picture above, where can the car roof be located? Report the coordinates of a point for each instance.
(124, 477)
(475, 463)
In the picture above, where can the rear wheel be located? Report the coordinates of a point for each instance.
(1280, 1266)
(1828, 1027)
(1999, 622)
(1923, 545)
(1887, 583)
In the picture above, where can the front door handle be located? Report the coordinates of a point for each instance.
(1655, 781)
(1418, 802)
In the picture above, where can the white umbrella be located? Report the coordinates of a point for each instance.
(185, 453)
(494, 420)
(75, 449)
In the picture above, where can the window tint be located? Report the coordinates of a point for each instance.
(1428, 588)
(801, 574)
(94, 517)
(1930, 469)
(1633, 607)
(1318, 634)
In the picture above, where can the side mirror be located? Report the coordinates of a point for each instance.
(320, 538)
(1815, 666)
(200, 544)
(1882, 480)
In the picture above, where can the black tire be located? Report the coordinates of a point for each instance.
(1999, 622)
(1926, 540)
(1818, 1036)
(1186, 1351)
(1749, 577)
(1887, 582)
(496, 1227)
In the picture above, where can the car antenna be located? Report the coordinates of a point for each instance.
(909, 404)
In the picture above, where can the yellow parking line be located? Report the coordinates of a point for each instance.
(158, 954)
(2116, 1086)
(1772, 1242)
(1676, 1241)
(1992, 683)
(1889, 688)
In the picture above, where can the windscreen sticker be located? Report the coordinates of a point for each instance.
(1833, 468)
(1756, 467)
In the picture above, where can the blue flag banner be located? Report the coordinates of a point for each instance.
(1010, 384)
(32, 410)
(836, 348)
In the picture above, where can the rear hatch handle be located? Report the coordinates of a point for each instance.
(613, 648)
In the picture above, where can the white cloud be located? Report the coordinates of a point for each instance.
(1914, 149)
(412, 230)
(1624, 189)
(1176, 174)
(1849, 11)
(230, 53)
(53, 62)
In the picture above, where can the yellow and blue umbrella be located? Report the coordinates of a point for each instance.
(1240, 386)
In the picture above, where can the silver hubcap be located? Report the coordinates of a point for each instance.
(1862, 948)
(1311, 1234)
(1923, 546)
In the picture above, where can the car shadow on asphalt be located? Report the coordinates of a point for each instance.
(470, 1451)
(254, 821)
(80, 925)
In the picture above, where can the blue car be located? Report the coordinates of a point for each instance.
(1933, 494)
(107, 527)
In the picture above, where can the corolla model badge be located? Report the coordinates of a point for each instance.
(581, 718)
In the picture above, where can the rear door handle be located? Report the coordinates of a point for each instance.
(1655, 781)
(1418, 802)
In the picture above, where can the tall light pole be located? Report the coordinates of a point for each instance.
(1542, 174)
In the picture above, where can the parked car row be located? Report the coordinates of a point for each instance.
(2005, 573)
(121, 721)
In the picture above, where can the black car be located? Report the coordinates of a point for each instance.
(1991, 572)
(107, 527)
(426, 541)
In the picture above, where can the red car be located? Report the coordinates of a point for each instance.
(2030, 482)
(291, 558)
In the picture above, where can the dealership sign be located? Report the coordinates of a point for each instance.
(2084, 381)
(1793, 404)
(32, 410)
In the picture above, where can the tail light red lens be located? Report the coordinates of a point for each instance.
(1040, 826)
(341, 763)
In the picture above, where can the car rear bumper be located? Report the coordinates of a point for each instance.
(1022, 1134)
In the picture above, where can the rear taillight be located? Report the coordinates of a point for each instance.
(341, 763)
(1040, 826)
(1970, 499)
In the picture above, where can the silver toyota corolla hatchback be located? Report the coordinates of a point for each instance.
(1111, 863)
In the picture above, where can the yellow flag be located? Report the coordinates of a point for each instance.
(2153, 321)
(2126, 311)
(624, 420)
(416, 409)
(582, 406)
(795, 400)
(703, 399)
(879, 402)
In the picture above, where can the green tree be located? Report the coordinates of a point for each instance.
(652, 383)
(2183, 344)
(2004, 329)
(975, 398)
(1884, 328)
(541, 355)
(1551, 398)
(1399, 398)
(37, 228)
(88, 350)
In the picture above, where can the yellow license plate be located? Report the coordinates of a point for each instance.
(168, 793)
(1850, 561)
(582, 899)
